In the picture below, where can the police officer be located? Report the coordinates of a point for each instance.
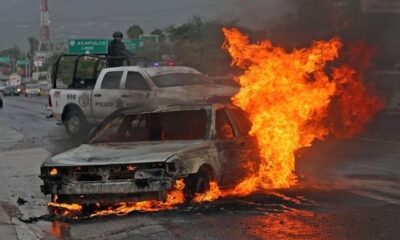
(116, 48)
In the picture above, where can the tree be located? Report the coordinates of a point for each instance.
(134, 31)
(160, 33)
(33, 47)
(191, 30)
(14, 53)
(197, 43)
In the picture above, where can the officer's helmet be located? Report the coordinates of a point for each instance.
(118, 34)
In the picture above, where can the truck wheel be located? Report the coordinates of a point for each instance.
(75, 124)
(197, 183)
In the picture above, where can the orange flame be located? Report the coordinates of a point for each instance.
(174, 197)
(287, 96)
(66, 208)
(53, 171)
(211, 195)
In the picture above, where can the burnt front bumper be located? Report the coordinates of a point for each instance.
(114, 182)
(117, 187)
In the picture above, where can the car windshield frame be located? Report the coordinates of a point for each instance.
(120, 120)
(179, 79)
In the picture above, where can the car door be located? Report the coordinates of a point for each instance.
(136, 90)
(249, 152)
(230, 149)
(106, 94)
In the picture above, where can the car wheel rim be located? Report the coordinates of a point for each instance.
(74, 124)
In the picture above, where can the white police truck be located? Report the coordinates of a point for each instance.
(92, 91)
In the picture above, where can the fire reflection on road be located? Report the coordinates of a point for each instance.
(292, 225)
(58, 230)
(259, 205)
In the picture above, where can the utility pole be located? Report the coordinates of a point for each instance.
(45, 47)
(44, 40)
(26, 65)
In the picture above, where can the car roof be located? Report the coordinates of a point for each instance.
(171, 108)
(155, 71)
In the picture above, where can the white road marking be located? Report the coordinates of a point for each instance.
(377, 196)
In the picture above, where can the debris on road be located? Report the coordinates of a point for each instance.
(21, 201)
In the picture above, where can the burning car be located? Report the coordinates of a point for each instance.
(137, 155)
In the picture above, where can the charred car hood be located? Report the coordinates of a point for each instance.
(101, 154)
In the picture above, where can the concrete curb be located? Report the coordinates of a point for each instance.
(7, 228)
(22, 231)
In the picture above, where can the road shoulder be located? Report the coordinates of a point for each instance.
(7, 228)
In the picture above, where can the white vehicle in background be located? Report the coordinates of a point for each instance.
(44, 87)
(15, 80)
(32, 89)
(43, 80)
(88, 97)
(41, 76)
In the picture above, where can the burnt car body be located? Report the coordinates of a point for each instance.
(138, 155)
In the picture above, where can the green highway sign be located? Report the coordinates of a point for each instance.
(88, 46)
(149, 39)
(5, 59)
(134, 45)
(22, 62)
(99, 46)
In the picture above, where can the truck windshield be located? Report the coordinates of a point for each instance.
(180, 79)
(84, 72)
(163, 126)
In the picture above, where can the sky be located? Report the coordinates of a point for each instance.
(20, 19)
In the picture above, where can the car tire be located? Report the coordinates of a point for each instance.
(1, 102)
(197, 183)
(75, 124)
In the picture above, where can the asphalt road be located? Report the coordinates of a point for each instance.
(348, 189)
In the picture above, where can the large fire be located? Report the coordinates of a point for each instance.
(292, 98)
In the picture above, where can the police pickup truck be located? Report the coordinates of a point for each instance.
(87, 97)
